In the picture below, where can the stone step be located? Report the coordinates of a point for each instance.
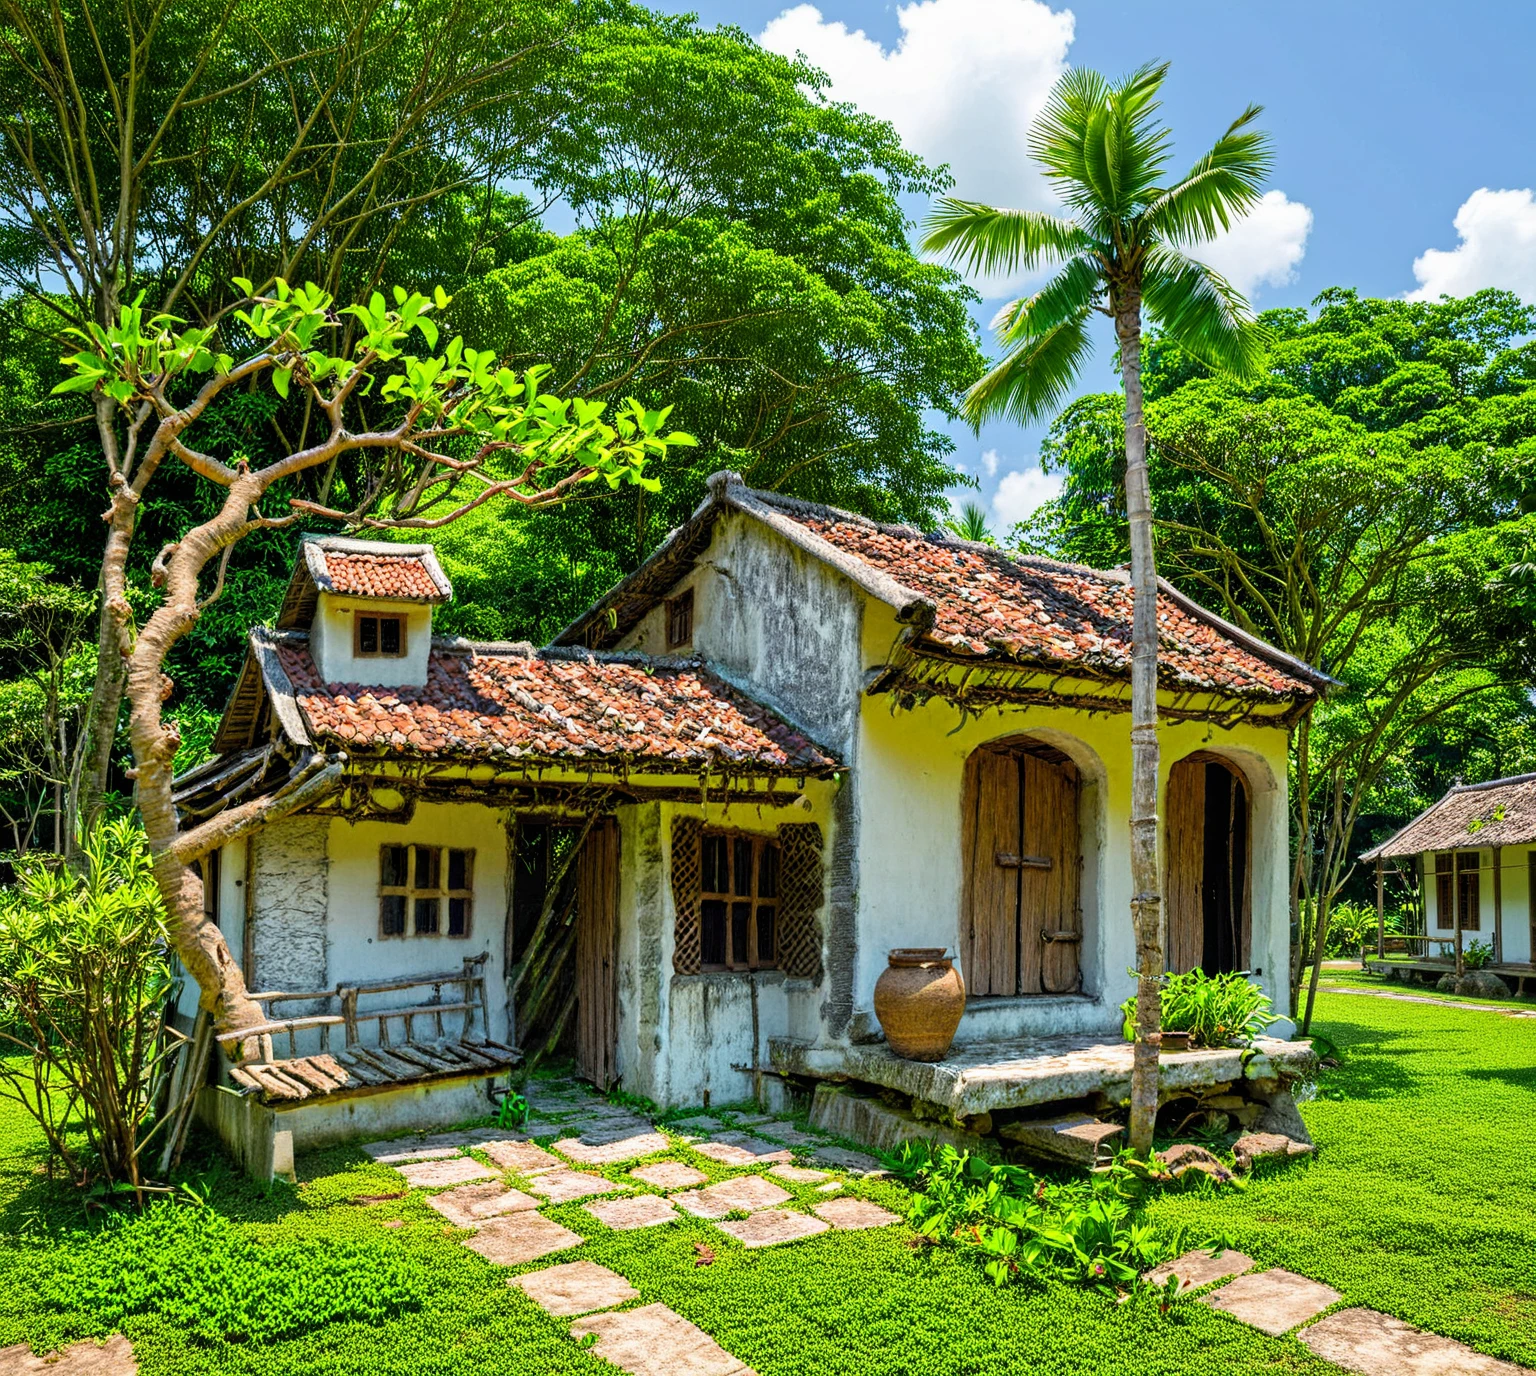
(1075, 1139)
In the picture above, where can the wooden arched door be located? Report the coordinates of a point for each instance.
(1209, 882)
(1021, 922)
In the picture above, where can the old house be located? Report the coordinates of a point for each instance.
(1467, 868)
(792, 740)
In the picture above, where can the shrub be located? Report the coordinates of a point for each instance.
(1477, 955)
(84, 982)
(1081, 1231)
(1216, 1010)
(1350, 927)
(195, 1269)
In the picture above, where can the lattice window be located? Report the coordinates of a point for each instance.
(801, 887)
(426, 891)
(1469, 908)
(687, 833)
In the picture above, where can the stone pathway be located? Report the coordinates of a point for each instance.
(114, 1358)
(1443, 1003)
(1359, 1340)
(581, 1135)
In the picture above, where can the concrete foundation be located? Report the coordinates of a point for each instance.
(263, 1138)
(988, 1077)
(872, 1123)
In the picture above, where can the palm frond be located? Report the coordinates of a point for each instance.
(984, 239)
(1202, 312)
(1077, 287)
(1099, 144)
(1221, 187)
(1033, 380)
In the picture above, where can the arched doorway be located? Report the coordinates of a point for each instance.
(1210, 882)
(1021, 922)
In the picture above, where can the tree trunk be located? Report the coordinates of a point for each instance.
(197, 940)
(1146, 897)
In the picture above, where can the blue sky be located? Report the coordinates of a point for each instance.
(1402, 133)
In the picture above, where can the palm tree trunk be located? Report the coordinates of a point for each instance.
(1146, 897)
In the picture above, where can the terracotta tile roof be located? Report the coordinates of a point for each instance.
(561, 706)
(1047, 613)
(1501, 812)
(379, 575)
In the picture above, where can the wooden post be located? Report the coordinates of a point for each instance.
(1498, 906)
(1381, 919)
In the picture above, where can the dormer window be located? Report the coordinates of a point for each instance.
(680, 620)
(380, 637)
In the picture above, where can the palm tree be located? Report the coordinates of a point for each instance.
(971, 524)
(1119, 248)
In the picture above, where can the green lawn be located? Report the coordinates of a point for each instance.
(1422, 1203)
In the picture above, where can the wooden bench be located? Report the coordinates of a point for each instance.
(451, 1046)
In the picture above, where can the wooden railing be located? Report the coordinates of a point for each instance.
(350, 1016)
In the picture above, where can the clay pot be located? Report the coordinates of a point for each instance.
(919, 1000)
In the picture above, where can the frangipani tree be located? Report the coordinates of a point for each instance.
(1119, 250)
(453, 430)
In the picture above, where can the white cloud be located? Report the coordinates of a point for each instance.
(1497, 230)
(1021, 493)
(1264, 247)
(989, 462)
(961, 85)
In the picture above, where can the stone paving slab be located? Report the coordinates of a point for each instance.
(470, 1205)
(114, 1358)
(743, 1192)
(738, 1149)
(849, 1214)
(789, 1133)
(700, 1122)
(1375, 1344)
(671, 1175)
(545, 1094)
(428, 1175)
(769, 1227)
(748, 1120)
(615, 1152)
(576, 1287)
(830, 1188)
(638, 1211)
(797, 1175)
(1198, 1268)
(1274, 1301)
(601, 1131)
(513, 1239)
(654, 1341)
(849, 1160)
(398, 1153)
(560, 1187)
(526, 1158)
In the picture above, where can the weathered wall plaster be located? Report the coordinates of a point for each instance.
(290, 883)
(331, 642)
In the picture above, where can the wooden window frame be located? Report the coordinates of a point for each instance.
(1469, 894)
(754, 899)
(380, 618)
(1445, 891)
(441, 891)
(679, 613)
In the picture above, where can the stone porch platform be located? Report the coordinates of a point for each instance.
(985, 1077)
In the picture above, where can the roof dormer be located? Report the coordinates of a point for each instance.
(367, 606)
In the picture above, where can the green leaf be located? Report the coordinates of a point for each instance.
(280, 380)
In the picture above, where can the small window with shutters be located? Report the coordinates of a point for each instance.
(738, 908)
(1469, 891)
(1445, 892)
(425, 891)
(379, 637)
(680, 620)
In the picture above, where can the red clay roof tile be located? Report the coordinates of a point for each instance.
(569, 708)
(404, 577)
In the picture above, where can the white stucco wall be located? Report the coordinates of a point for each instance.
(331, 642)
(358, 952)
(1515, 901)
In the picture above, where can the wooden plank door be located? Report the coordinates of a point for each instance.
(1051, 929)
(597, 950)
(1185, 869)
(989, 946)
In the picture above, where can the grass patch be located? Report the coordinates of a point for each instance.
(1422, 1203)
